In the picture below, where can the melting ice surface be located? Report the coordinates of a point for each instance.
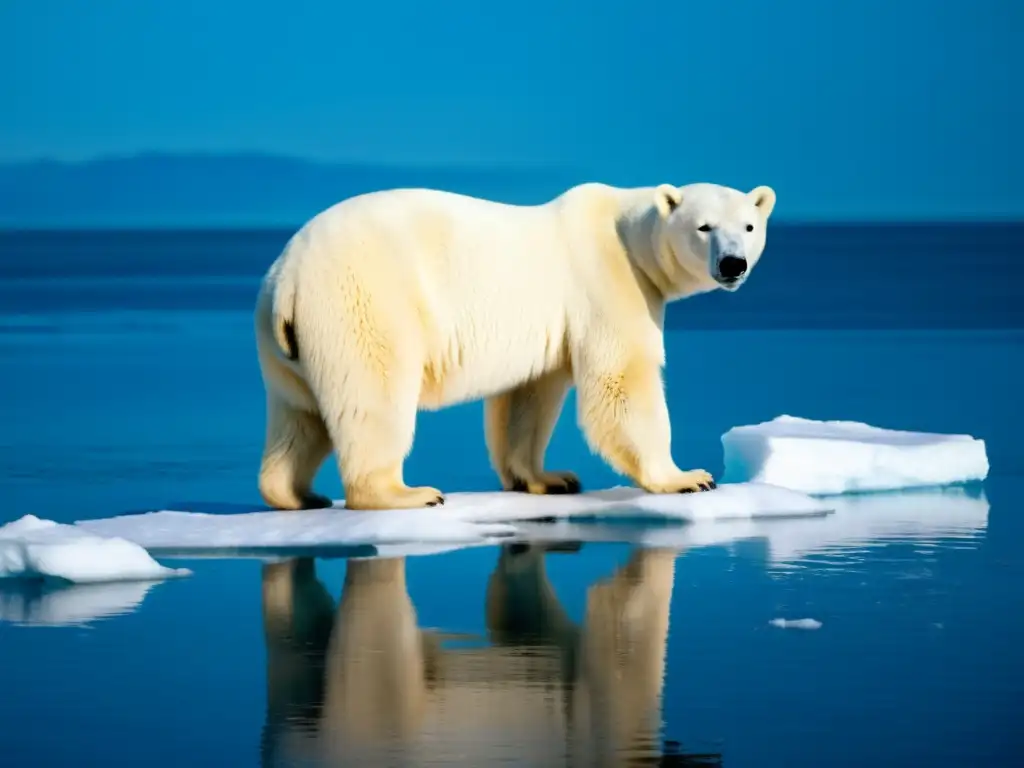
(465, 518)
(781, 462)
(832, 457)
(115, 549)
(858, 522)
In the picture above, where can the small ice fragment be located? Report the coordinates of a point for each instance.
(796, 623)
(834, 457)
(40, 549)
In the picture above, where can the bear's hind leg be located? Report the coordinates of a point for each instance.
(518, 426)
(296, 445)
(371, 418)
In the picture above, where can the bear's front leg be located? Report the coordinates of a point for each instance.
(518, 426)
(625, 419)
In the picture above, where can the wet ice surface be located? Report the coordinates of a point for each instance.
(465, 518)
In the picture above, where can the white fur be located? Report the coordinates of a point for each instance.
(413, 298)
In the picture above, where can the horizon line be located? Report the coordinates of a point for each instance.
(276, 226)
(432, 164)
(239, 220)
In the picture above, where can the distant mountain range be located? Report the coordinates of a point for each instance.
(241, 190)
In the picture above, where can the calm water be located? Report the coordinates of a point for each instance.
(130, 383)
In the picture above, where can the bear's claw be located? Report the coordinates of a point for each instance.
(439, 501)
(708, 486)
(316, 501)
(693, 481)
(572, 485)
(558, 484)
(568, 486)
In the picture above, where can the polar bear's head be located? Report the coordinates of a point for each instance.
(714, 235)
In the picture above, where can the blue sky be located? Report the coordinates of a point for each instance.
(875, 108)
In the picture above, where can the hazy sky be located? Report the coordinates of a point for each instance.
(848, 108)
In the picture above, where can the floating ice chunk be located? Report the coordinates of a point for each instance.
(465, 519)
(796, 623)
(34, 548)
(39, 603)
(833, 457)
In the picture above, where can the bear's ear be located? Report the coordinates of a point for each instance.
(666, 199)
(764, 199)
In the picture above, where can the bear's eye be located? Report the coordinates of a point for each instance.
(704, 228)
(750, 227)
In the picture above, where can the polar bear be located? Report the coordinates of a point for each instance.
(399, 300)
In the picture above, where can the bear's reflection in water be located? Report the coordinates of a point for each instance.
(363, 685)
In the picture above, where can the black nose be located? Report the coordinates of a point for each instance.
(732, 267)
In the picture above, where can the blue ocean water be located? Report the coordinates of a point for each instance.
(129, 383)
